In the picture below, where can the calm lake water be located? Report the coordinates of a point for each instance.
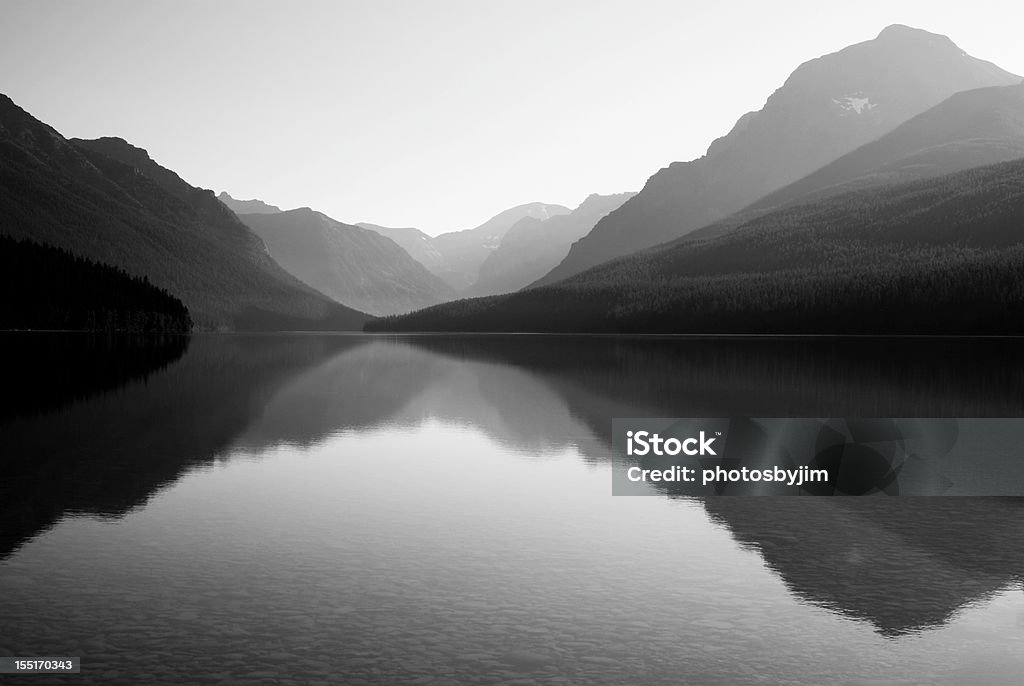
(364, 510)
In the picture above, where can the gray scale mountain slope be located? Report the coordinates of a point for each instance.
(533, 246)
(108, 201)
(456, 256)
(828, 107)
(247, 206)
(353, 265)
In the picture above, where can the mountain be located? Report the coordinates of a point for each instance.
(828, 107)
(353, 265)
(936, 256)
(247, 206)
(419, 245)
(456, 256)
(107, 201)
(959, 551)
(970, 129)
(533, 246)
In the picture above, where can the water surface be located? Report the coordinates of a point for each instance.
(438, 509)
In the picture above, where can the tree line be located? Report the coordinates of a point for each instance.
(48, 288)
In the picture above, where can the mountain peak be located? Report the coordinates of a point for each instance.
(905, 34)
(16, 122)
(596, 201)
(893, 30)
(247, 206)
(828, 107)
(110, 144)
(124, 152)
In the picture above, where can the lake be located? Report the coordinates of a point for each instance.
(437, 509)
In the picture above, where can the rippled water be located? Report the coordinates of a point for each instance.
(438, 510)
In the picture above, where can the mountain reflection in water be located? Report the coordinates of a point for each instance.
(901, 565)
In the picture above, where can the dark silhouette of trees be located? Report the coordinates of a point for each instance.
(50, 288)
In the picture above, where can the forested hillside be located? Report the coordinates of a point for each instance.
(48, 288)
(940, 256)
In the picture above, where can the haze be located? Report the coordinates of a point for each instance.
(434, 114)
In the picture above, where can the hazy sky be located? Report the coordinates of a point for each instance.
(434, 113)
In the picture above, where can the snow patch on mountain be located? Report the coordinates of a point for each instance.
(855, 104)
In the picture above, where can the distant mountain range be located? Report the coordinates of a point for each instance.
(879, 190)
(419, 245)
(353, 265)
(384, 271)
(533, 246)
(828, 107)
(107, 201)
(457, 256)
(247, 206)
(939, 256)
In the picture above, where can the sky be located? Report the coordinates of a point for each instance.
(436, 114)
